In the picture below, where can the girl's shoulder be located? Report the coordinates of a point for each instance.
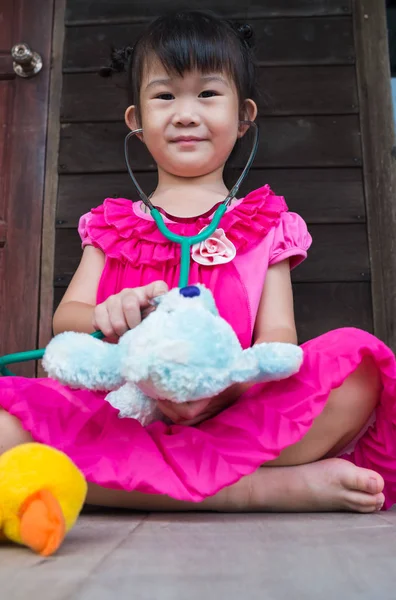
(120, 228)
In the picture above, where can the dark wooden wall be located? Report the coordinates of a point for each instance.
(310, 148)
(391, 19)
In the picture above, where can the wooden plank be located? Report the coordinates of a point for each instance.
(310, 90)
(51, 183)
(58, 295)
(3, 231)
(339, 253)
(24, 574)
(6, 69)
(294, 41)
(104, 554)
(379, 153)
(7, 89)
(321, 307)
(198, 556)
(319, 195)
(78, 10)
(8, 11)
(286, 141)
(316, 90)
(391, 22)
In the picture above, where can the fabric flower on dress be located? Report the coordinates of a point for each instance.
(215, 250)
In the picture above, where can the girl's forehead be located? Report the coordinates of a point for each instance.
(156, 73)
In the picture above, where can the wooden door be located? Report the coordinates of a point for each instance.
(310, 149)
(23, 125)
(324, 97)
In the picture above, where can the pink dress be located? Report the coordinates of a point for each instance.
(191, 463)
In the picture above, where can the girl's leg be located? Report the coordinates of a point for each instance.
(11, 432)
(347, 411)
(332, 484)
(327, 485)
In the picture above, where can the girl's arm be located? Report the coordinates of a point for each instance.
(118, 313)
(275, 316)
(75, 312)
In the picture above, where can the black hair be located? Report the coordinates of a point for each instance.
(187, 40)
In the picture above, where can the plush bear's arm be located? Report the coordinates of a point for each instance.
(267, 362)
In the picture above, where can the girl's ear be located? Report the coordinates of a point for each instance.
(131, 120)
(248, 113)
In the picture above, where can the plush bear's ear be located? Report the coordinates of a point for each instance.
(82, 361)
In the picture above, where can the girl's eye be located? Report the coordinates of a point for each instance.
(208, 94)
(165, 96)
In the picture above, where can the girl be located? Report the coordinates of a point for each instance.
(192, 83)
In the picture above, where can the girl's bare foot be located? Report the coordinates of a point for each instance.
(327, 485)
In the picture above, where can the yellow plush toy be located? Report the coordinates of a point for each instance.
(41, 496)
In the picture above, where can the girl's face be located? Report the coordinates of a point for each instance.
(191, 123)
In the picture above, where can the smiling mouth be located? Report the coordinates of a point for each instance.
(188, 140)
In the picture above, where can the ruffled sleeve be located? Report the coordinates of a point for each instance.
(291, 240)
(83, 226)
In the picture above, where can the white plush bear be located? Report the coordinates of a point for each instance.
(182, 351)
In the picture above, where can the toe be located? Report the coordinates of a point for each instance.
(371, 482)
(364, 480)
(362, 502)
(380, 501)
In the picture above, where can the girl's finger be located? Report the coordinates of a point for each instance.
(116, 315)
(137, 301)
(148, 292)
(201, 417)
(185, 411)
(131, 309)
(146, 311)
(167, 409)
(191, 410)
(101, 320)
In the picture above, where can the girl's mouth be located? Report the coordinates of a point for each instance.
(187, 141)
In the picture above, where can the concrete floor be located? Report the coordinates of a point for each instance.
(202, 556)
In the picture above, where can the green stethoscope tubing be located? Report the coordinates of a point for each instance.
(185, 241)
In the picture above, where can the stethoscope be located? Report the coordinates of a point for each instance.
(186, 242)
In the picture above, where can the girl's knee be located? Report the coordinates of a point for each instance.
(11, 432)
(351, 406)
(367, 379)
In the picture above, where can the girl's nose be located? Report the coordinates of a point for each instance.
(186, 116)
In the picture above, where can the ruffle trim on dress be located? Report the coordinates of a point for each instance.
(120, 233)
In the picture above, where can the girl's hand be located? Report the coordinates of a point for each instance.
(192, 413)
(125, 310)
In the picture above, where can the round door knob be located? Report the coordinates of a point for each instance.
(26, 63)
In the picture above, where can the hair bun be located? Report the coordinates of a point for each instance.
(119, 60)
(245, 32)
